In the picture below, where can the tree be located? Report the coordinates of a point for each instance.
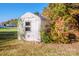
(62, 21)
(36, 13)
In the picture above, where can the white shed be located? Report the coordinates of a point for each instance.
(29, 27)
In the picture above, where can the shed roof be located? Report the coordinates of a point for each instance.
(28, 14)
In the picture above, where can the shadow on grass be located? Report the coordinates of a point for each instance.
(7, 36)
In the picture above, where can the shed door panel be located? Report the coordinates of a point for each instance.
(36, 30)
(29, 36)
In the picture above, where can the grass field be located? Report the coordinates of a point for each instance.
(11, 46)
(8, 33)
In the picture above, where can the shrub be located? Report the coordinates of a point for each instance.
(45, 37)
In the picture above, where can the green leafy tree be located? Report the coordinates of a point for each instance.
(36, 13)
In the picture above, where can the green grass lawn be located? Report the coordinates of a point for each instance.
(8, 29)
(11, 46)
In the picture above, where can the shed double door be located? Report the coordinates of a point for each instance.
(32, 31)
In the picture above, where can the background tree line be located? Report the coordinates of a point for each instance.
(12, 21)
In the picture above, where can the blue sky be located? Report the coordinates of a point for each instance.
(14, 10)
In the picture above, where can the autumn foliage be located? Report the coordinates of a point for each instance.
(63, 23)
